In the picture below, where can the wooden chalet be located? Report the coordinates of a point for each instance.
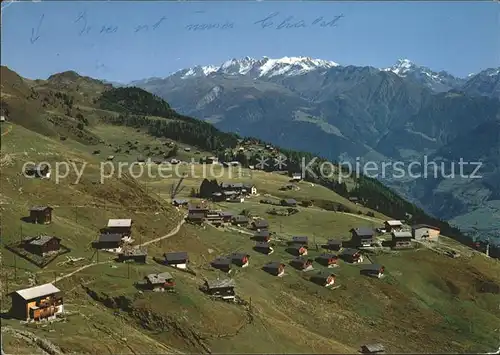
(239, 220)
(109, 241)
(179, 202)
(401, 240)
(239, 188)
(262, 235)
(39, 171)
(41, 214)
(328, 260)
(263, 247)
(289, 202)
(213, 216)
(426, 232)
(42, 245)
(333, 244)
(226, 216)
(372, 349)
(362, 237)
(135, 254)
(240, 259)
(353, 199)
(297, 249)
(373, 270)
(260, 224)
(393, 226)
(159, 282)
(198, 208)
(301, 263)
(178, 260)
(296, 177)
(36, 303)
(351, 256)
(120, 226)
(223, 289)
(195, 217)
(300, 240)
(323, 278)
(274, 268)
(222, 264)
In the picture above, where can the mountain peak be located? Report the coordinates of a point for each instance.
(264, 67)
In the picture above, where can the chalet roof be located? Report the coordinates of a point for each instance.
(229, 192)
(274, 265)
(240, 218)
(225, 214)
(37, 291)
(238, 256)
(394, 223)
(290, 201)
(42, 240)
(297, 246)
(159, 278)
(349, 251)
(261, 223)
(296, 174)
(119, 223)
(40, 208)
(224, 283)
(110, 237)
(180, 201)
(373, 348)
(262, 233)
(419, 226)
(363, 231)
(176, 256)
(262, 245)
(372, 267)
(134, 252)
(221, 261)
(300, 239)
(397, 235)
(235, 185)
(198, 207)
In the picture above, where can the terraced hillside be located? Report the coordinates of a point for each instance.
(427, 302)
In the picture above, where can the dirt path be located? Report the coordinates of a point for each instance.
(80, 269)
(170, 234)
(371, 219)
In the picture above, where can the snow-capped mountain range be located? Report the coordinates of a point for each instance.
(266, 68)
(258, 68)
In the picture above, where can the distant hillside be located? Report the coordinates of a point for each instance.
(402, 113)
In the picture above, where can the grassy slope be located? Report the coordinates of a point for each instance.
(426, 303)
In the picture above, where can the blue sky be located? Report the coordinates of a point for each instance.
(39, 39)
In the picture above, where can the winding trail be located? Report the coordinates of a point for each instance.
(170, 234)
(80, 269)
